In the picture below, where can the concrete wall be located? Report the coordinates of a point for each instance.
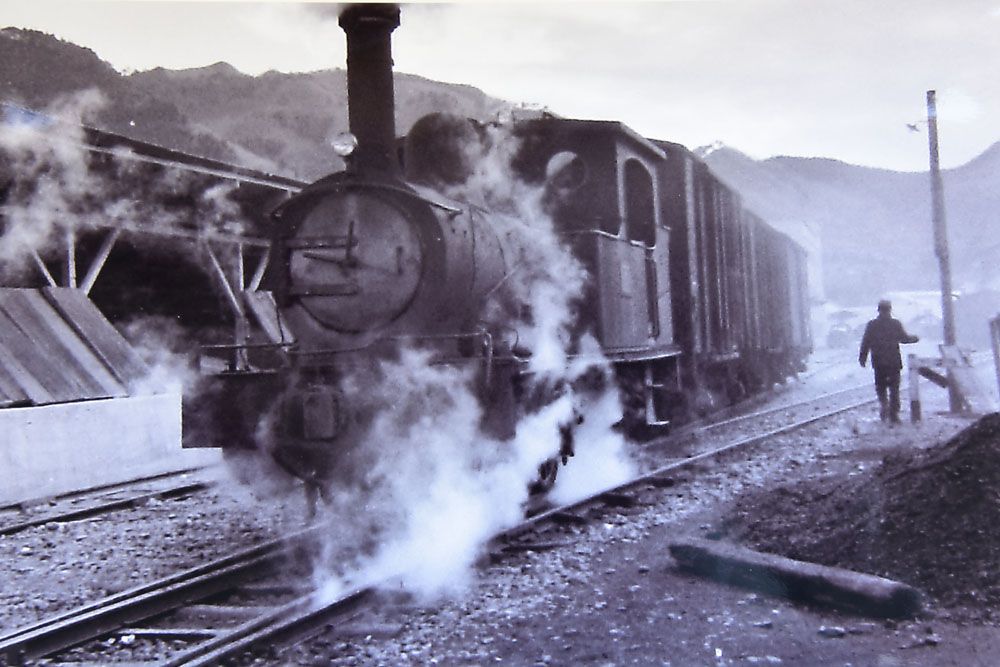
(52, 449)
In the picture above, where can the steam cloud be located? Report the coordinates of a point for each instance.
(54, 186)
(437, 487)
(162, 344)
(51, 178)
(546, 277)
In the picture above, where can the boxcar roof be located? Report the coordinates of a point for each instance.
(607, 127)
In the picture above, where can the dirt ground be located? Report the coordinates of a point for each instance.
(929, 519)
(608, 593)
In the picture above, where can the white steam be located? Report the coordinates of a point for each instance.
(601, 460)
(161, 343)
(546, 277)
(437, 487)
(58, 187)
(51, 176)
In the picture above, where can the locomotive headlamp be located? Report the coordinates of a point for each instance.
(344, 144)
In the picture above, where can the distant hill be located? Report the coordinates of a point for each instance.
(290, 119)
(36, 69)
(873, 225)
(277, 122)
(868, 230)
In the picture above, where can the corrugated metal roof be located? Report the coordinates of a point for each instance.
(57, 347)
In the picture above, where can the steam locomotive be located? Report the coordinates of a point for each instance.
(690, 297)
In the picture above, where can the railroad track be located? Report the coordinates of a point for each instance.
(663, 476)
(700, 435)
(221, 610)
(87, 503)
(738, 419)
(149, 611)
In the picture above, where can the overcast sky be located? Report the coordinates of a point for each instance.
(823, 78)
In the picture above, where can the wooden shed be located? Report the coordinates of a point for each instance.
(57, 347)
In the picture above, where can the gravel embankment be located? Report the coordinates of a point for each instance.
(929, 519)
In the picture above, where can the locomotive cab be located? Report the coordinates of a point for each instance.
(607, 203)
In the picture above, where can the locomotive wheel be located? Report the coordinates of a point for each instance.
(633, 419)
(547, 473)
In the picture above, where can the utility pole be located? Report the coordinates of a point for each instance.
(941, 238)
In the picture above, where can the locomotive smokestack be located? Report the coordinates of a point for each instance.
(371, 107)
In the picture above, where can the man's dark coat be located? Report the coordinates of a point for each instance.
(882, 338)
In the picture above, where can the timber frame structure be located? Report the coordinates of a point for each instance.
(235, 262)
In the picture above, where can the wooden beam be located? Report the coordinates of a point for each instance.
(933, 376)
(798, 580)
(99, 260)
(916, 413)
(199, 236)
(164, 634)
(258, 274)
(965, 388)
(70, 258)
(44, 269)
(208, 171)
(241, 277)
(227, 287)
(241, 330)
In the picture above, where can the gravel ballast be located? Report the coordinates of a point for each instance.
(55, 567)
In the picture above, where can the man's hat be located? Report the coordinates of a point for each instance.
(884, 305)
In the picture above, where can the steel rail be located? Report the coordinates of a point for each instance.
(706, 425)
(93, 490)
(79, 513)
(557, 513)
(304, 614)
(94, 620)
(776, 409)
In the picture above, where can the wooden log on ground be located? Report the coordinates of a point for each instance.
(797, 580)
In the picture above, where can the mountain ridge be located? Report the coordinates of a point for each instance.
(867, 228)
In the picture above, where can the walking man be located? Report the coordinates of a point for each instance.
(882, 338)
